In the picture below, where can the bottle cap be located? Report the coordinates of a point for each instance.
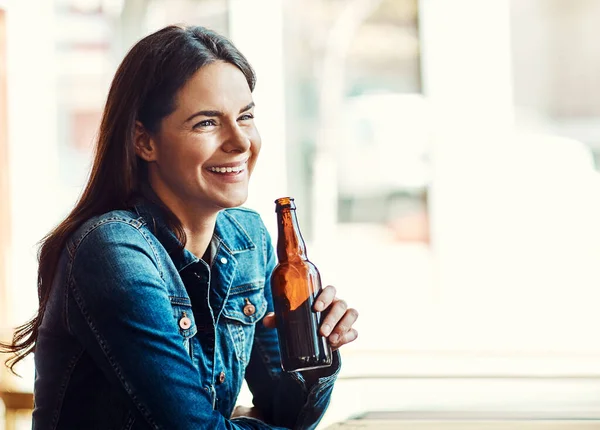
(284, 203)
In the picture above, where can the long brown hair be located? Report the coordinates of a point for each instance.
(143, 89)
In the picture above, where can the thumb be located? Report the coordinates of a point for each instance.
(269, 320)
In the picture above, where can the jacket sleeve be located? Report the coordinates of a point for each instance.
(119, 310)
(285, 399)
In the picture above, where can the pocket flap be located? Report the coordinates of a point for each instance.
(184, 317)
(246, 305)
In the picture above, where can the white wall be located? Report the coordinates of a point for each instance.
(513, 217)
(32, 145)
(255, 27)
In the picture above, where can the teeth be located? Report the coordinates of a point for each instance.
(227, 169)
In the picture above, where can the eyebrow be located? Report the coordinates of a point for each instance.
(218, 112)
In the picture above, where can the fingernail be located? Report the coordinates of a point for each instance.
(319, 305)
(326, 329)
(334, 338)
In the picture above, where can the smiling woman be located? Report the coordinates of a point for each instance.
(155, 290)
(192, 155)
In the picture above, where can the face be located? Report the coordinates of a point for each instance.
(205, 151)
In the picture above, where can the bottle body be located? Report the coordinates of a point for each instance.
(295, 288)
(295, 285)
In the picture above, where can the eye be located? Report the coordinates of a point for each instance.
(205, 123)
(246, 117)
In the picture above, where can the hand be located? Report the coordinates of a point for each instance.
(245, 411)
(337, 322)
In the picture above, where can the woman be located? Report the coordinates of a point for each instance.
(145, 288)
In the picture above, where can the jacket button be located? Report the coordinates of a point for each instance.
(185, 322)
(249, 309)
(221, 377)
(223, 260)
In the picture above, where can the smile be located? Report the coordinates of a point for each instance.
(229, 168)
(236, 169)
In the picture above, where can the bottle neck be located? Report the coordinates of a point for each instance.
(290, 244)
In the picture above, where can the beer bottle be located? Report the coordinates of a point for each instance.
(296, 283)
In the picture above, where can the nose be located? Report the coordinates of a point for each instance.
(237, 140)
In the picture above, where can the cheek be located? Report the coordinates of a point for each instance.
(256, 145)
(256, 142)
(188, 155)
(183, 166)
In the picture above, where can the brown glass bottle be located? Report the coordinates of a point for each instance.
(296, 283)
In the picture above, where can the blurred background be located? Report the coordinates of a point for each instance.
(443, 155)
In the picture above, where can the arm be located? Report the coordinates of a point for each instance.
(119, 310)
(284, 399)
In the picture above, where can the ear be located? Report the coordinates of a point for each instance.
(145, 146)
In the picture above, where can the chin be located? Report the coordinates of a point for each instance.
(233, 202)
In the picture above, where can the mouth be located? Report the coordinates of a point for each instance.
(229, 169)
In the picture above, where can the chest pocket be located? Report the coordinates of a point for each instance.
(245, 306)
(184, 321)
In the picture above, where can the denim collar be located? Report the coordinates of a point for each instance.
(231, 234)
(228, 232)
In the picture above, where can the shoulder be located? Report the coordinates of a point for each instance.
(109, 229)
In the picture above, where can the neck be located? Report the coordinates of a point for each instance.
(290, 244)
(197, 221)
(199, 236)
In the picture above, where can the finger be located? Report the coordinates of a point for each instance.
(269, 320)
(240, 411)
(325, 298)
(350, 336)
(245, 411)
(344, 325)
(334, 314)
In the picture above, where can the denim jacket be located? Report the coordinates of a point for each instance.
(139, 333)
